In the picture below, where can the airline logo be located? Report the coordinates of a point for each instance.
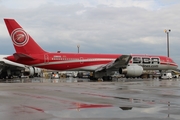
(19, 37)
(146, 62)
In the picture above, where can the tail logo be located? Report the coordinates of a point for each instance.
(19, 37)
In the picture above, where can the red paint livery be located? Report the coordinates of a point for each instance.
(30, 53)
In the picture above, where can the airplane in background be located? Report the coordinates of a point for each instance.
(102, 65)
(9, 69)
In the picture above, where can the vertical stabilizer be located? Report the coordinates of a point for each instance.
(23, 42)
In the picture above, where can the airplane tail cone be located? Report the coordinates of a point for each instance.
(23, 42)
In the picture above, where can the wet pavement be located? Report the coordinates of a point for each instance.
(78, 99)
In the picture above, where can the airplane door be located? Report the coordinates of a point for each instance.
(46, 58)
(81, 60)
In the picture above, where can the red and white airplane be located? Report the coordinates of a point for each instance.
(103, 65)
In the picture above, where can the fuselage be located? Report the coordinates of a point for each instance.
(90, 62)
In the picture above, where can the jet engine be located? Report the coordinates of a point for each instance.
(37, 72)
(133, 70)
(32, 72)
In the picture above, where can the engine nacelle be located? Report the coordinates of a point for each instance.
(132, 70)
(32, 71)
(29, 71)
(37, 72)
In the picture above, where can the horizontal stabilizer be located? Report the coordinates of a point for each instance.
(21, 56)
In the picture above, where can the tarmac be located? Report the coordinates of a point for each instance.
(79, 99)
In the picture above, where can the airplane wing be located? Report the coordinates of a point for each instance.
(6, 65)
(2, 65)
(120, 62)
(11, 65)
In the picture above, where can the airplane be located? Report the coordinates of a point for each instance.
(102, 65)
(9, 69)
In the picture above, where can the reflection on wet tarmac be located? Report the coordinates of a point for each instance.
(126, 108)
(73, 99)
(42, 80)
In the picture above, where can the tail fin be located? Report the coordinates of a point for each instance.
(23, 43)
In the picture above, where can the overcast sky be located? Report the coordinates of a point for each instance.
(98, 26)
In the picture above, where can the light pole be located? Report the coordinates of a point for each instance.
(78, 46)
(167, 32)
